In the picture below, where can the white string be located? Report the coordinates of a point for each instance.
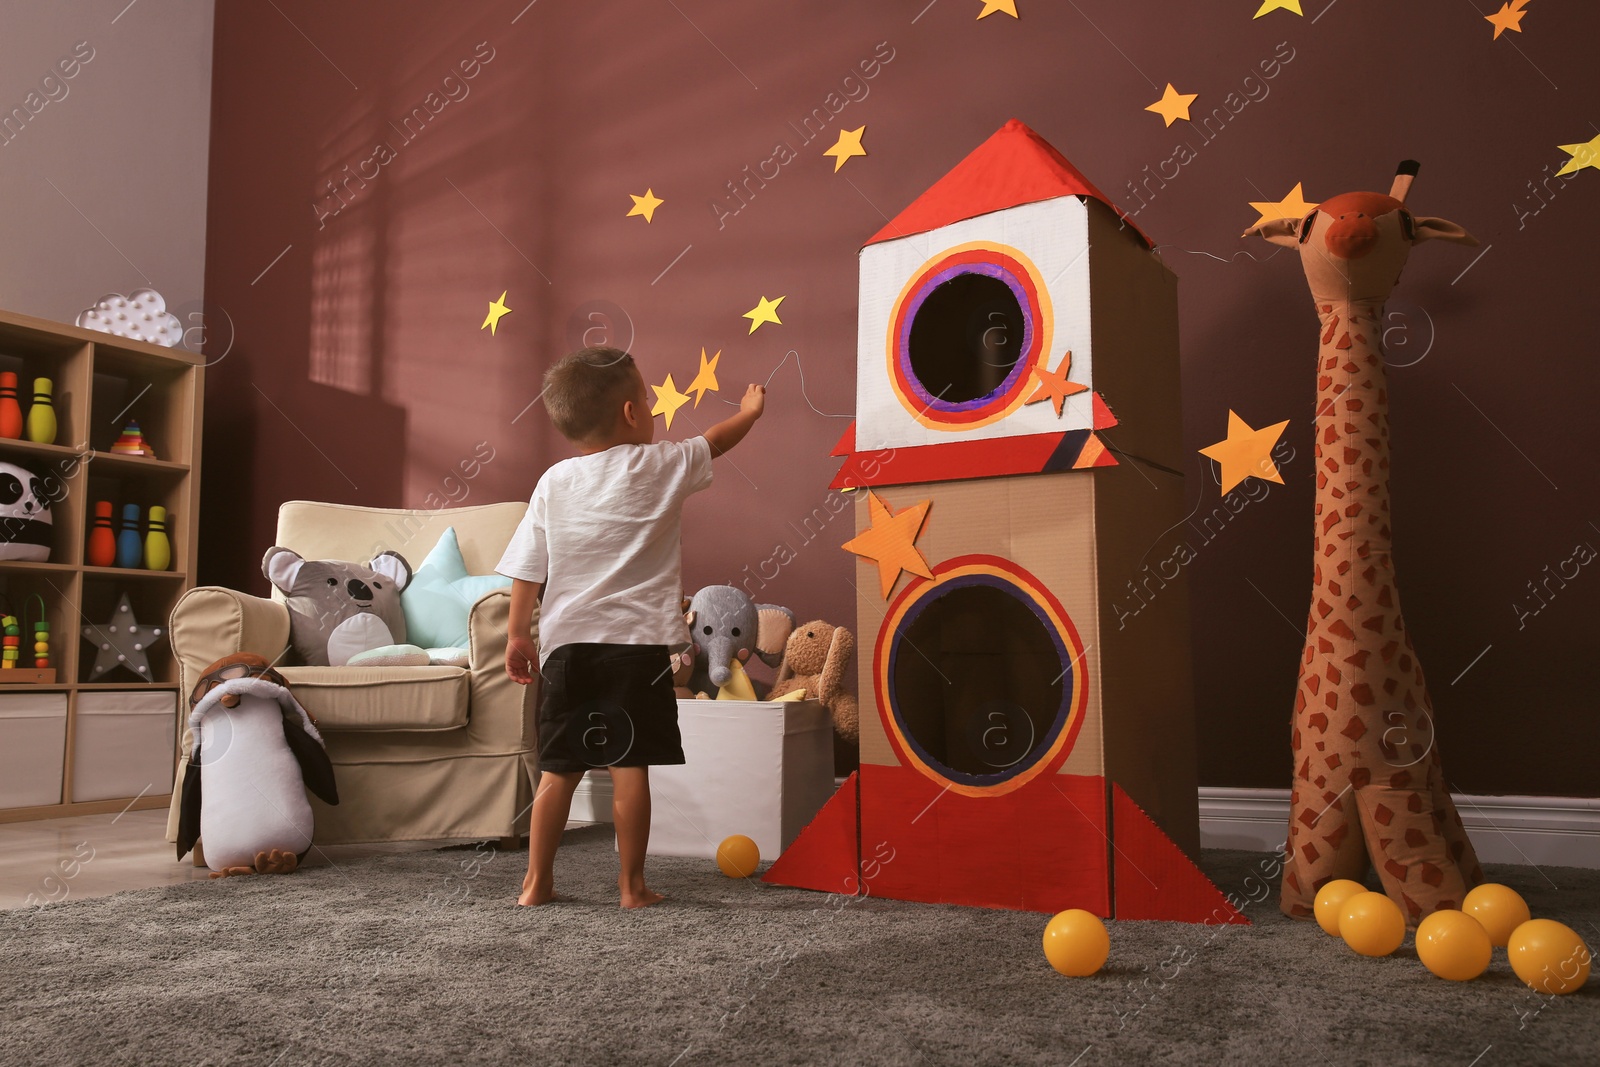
(803, 394)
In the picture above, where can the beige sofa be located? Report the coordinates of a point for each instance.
(419, 753)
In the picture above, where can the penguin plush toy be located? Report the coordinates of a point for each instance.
(256, 751)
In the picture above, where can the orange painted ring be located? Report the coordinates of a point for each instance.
(994, 571)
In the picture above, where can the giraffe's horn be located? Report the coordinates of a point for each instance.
(1404, 175)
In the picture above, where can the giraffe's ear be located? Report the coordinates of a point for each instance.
(1285, 232)
(1431, 229)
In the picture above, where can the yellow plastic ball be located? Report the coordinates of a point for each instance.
(1371, 924)
(1453, 945)
(1498, 908)
(738, 856)
(1549, 956)
(1076, 943)
(1330, 902)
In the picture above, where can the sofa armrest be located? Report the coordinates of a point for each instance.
(210, 622)
(502, 711)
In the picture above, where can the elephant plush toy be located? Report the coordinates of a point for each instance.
(817, 660)
(725, 624)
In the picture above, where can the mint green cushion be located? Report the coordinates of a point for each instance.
(439, 599)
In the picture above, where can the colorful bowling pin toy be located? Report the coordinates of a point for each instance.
(42, 414)
(130, 546)
(10, 410)
(102, 540)
(157, 548)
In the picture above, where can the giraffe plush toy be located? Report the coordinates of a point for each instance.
(1368, 784)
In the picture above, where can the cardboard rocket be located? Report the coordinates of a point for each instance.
(1027, 728)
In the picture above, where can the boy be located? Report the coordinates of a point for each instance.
(600, 549)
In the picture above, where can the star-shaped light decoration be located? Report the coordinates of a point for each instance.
(1293, 206)
(1053, 385)
(891, 541)
(1246, 453)
(1583, 155)
(848, 144)
(122, 642)
(645, 205)
(1509, 17)
(497, 310)
(765, 311)
(706, 380)
(1274, 5)
(1173, 105)
(668, 400)
(1008, 7)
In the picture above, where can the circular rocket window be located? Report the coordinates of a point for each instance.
(981, 679)
(964, 336)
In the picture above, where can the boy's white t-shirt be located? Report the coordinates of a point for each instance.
(603, 533)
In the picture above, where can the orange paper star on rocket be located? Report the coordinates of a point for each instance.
(1246, 453)
(1053, 384)
(891, 542)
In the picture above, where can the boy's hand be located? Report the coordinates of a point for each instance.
(754, 401)
(522, 659)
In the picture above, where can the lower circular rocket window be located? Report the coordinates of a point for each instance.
(964, 335)
(980, 674)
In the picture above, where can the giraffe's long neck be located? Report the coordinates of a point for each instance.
(1352, 434)
(1359, 670)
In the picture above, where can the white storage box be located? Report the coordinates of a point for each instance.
(33, 745)
(123, 744)
(758, 768)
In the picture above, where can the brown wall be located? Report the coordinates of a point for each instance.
(357, 371)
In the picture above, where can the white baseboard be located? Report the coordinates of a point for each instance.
(1532, 831)
(1536, 831)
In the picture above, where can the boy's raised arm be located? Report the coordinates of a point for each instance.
(731, 430)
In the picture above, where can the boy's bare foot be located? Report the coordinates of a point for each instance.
(534, 894)
(642, 897)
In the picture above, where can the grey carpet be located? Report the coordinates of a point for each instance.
(423, 958)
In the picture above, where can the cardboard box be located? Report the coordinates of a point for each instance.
(33, 745)
(758, 768)
(123, 744)
(1027, 734)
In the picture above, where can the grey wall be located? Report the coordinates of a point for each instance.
(103, 174)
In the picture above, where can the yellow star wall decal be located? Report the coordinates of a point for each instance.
(1173, 105)
(1293, 206)
(668, 400)
(645, 205)
(1246, 453)
(765, 311)
(497, 310)
(1274, 5)
(1008, 7)
(891, 541)
(848, 145)
(706, 380)
(1053, 385)
(1583, 155)
(1509, 17)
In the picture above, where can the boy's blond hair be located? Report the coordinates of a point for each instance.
(583, 392)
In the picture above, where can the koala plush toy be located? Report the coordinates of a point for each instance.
(338, 610)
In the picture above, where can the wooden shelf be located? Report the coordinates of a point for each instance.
(31, 448)
(100, 382)
(41, 566)
(136, 573)
(122, 462)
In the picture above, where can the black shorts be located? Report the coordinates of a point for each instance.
(607, 706)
